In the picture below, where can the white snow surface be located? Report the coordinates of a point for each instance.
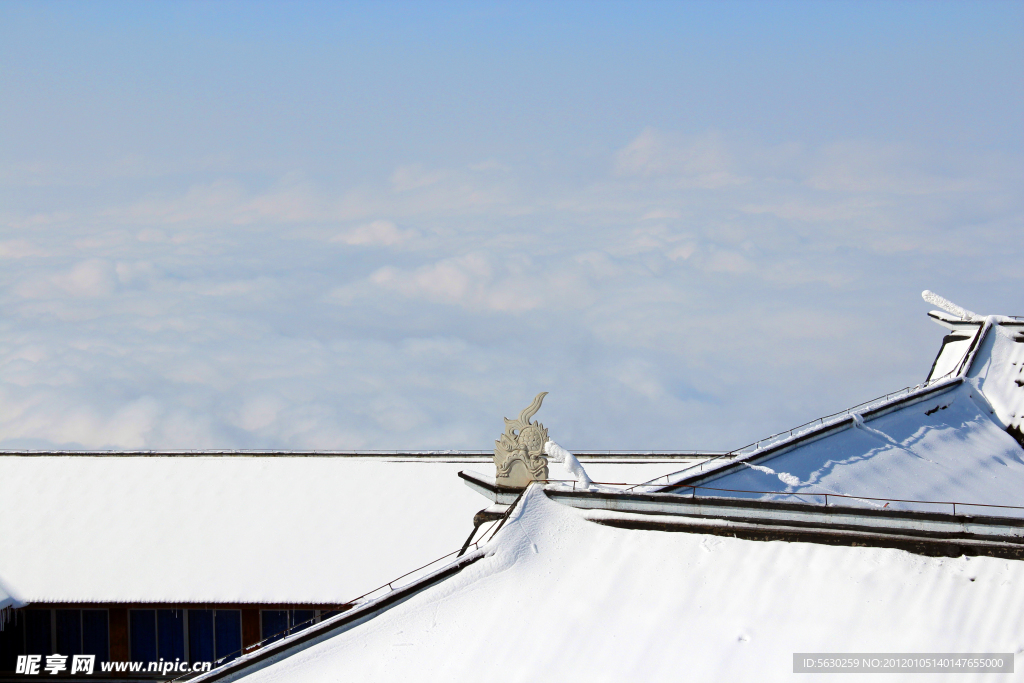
(953, 447)
(222, 529)
(568, 462)
(956, 454)
(6, 601)
(952, 354)
(947, 305)
(625, 472)
(560, 598)
(255, 529)
(998, 373)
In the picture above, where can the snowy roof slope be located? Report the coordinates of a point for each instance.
(249, 528)
(222, 529)
(943, 449)
(958, 443)
(998, 372)
(561, 598)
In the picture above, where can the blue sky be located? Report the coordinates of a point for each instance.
(388, 225)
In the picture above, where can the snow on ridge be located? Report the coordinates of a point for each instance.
(946, 449)
(825, 457)
(948, 306)
(781, 439)
(568, 461)
(561, 598)
(998, 375)
(959, 441)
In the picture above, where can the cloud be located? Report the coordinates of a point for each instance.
(728, 262)
(472, 281)
(702, 161)
(816, 211)
(152, 235)
(862, 166)
(378, 233)
(414, 177)
(228, 204)
(704, 290)
(91, 278)
(221, 201)
(19, 248)
(657, 214)
(683, 251)
(259, 412)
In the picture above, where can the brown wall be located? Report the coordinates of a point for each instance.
(119, 634)
(250, 627)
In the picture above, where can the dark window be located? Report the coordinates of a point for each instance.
(96, 634)
(302, 618)
(142, 630)
(170, 630)
(12, 641)
(77, 632)
(200, 635)
(227, 626)
(69, 631)
(274, 624)
(37, 632)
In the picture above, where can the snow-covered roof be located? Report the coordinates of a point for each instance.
(222, 529)
(956, 438)
(620, 599)
(561, 598)
(231, 528)
(6, 602)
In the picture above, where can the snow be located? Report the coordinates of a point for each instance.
(7, 603)
(568, 461)
(953, 353)
(222, 529)
(948, 306)
(243, 528)
(560, 598)
(629, 473)
(998, 373)
(951, 447)
(943, 449)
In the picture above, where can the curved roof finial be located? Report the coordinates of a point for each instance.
(947, 305)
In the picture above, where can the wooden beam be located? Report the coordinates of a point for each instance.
(250, 627)
(120, 650)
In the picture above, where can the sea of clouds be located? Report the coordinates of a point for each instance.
(698, 292)
(387, 226)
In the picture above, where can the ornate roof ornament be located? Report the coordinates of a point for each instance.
(519, 453)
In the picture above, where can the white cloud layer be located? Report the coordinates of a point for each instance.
(692, 292)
